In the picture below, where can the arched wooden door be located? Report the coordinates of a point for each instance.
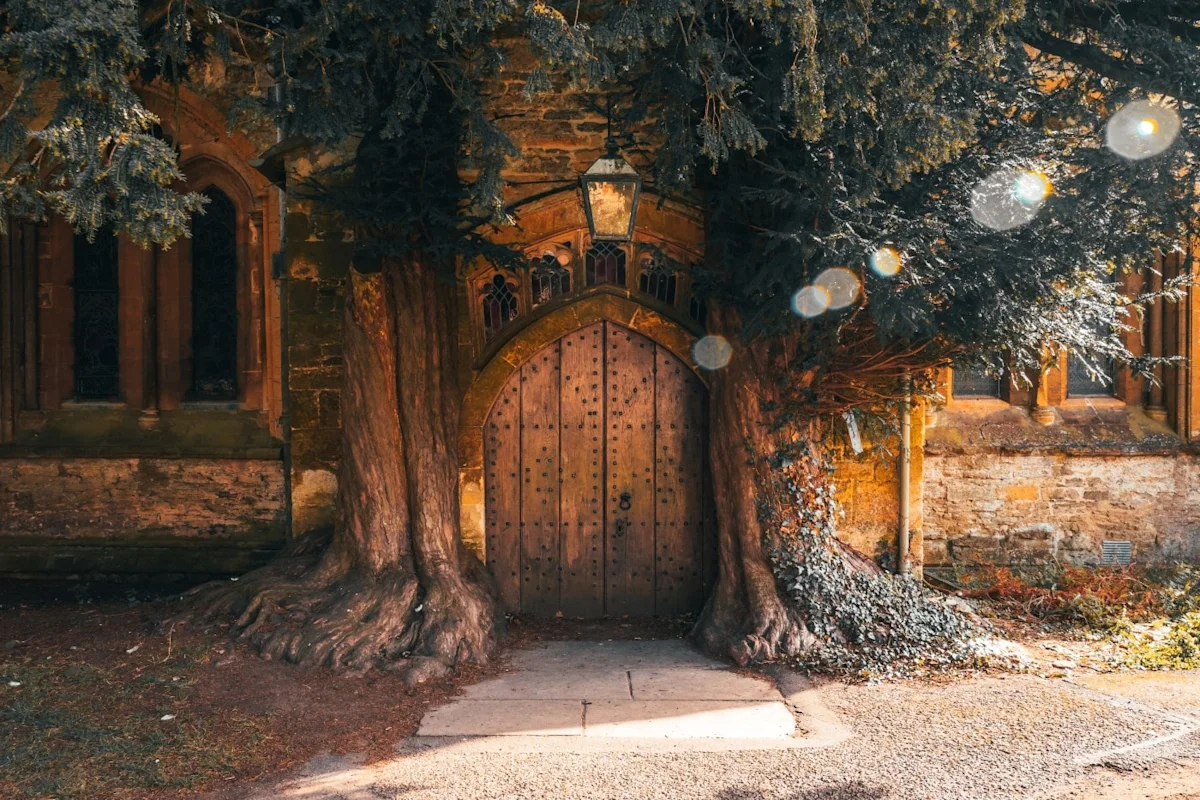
(596, 480)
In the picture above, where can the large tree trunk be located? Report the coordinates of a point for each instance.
(395, 586)
(748, 617)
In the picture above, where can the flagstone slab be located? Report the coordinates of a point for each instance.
(698, 684)
(577, 685)
(688, 719)
(505, 718)
(621, 655)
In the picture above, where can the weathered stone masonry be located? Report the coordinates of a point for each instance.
(1004, 507)
(122, 515)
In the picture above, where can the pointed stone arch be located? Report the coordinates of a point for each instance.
(488, 383)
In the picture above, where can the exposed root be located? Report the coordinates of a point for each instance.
(768, 631)
(459, 622)
(319, 614)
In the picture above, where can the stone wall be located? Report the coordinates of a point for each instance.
(1001, 507)
(139, 514)
(1008, 508)
(317, 264)
(1000, 488)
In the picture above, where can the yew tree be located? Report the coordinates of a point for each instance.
(958, 164)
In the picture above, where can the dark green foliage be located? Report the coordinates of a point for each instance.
(813, 131)
(95, 159)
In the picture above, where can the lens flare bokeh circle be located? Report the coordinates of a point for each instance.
(841, 284)
(712, 352)
(811, 301)
(1141, 129)
(886, 262)
(1009, 198)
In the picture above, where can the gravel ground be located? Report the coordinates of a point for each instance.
(993, 738)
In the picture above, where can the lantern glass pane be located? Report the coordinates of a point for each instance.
(611, 203)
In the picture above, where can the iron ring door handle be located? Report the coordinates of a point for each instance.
(626, 501)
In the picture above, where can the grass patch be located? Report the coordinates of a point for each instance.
(71, 729)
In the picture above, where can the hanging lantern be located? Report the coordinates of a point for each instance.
(611, 188)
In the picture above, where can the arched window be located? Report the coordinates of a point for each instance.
(97, 350)
(658, 280)
(549, 279)
(499, 305)
(605, 263)
(214, 299)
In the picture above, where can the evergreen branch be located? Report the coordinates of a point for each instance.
(1093, 58)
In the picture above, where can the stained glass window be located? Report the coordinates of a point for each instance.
(549, 279)
(658, 280)
(97, 351)
(605, 263)
(499, 306)
(214, 299)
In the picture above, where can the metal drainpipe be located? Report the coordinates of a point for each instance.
(905, 473)
(279, 268)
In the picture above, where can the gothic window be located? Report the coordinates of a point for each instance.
(97, 360)
(499, 306)
(605, 263)
(1081, 384)
(698, 310)
(972, 381)
(658, 280)
(214, 299)
(549, 279)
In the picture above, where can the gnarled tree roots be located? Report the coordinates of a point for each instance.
(316, 612)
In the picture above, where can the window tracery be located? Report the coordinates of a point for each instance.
(500, 305)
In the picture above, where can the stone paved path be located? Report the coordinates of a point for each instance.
(621, 690)
(1019, 737)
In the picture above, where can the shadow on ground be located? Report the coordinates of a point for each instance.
(842, 791)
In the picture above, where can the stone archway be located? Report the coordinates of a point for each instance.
(662, 366)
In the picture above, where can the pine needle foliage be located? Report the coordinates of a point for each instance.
(812, 131)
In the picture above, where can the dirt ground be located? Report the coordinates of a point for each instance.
(98, 701)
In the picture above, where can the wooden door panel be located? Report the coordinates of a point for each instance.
(629, 422)
(540, 482)
(680, 449)
(502, 494)
(581, 523)
(596, 481)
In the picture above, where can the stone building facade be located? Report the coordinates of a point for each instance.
(159, 419)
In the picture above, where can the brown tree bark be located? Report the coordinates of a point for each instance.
(748, 618)
(395, 586)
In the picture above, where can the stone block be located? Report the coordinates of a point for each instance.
(1017, 493)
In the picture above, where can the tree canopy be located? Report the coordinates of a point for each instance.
(816, 134)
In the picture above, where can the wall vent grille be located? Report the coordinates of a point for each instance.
(1116, 553)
